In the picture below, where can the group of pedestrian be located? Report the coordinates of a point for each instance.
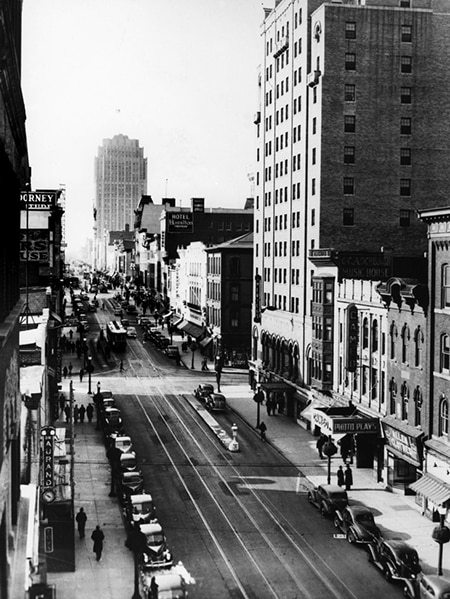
(67, 370)
(345, 478)
(97, 536)
(79, 412)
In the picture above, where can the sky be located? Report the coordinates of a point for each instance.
(178, 75)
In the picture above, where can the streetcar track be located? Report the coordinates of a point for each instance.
(281, 522)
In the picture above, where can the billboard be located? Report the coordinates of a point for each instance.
(180, 222)
(38, 200)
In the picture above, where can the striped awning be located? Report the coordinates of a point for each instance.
(432, 488)
(194, 330)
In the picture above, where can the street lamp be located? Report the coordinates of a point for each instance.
(258, 398)
(441, 534)
(329, 449)
(193, 349)
(89, 369)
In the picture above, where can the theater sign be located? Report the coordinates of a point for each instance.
(332, 421)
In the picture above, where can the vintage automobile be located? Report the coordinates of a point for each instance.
(162, 342)
(172, 351)
(328, 498)
(215, 402)
(157, 554)
(112, 420)
(118, 311)
(358, 524)
(128, 462)
(131, 309)
(203, 391)
(131, 332)
(171, 585)
(140, 509)
(396, 559)
(123, 442)
(130, 483)
(427, 586)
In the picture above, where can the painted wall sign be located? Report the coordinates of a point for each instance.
(367, 266)
(401, 442)
(180, 222)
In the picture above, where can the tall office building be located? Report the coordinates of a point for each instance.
(353, 137)
(120, 180)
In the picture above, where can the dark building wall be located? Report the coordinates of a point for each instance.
(377, 140)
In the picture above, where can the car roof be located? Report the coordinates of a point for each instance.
(168, 582)
(141, 498)
(134, 474)
(123, 438)
(332, 488)
(218, 396)
(358, 509)
(151, 528)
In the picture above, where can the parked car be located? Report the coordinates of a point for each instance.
(123, 442)
(140, 508)
(118, 311)
(170, 585)
(157, 554)
(131, 332)
(172, 351)
(145, 320)
(328, 498)
(216, 402)
(130, 483)
(104, 394)
(128, 462)
(112, 420)
(131, 309)
(427, 586)
(396, 559)
(358, 524)
(162, 342)
(125, 322)
(203, 391)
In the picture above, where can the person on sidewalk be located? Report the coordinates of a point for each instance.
(340, 477)
(90, 412)
(76, 413)
(262, 431)
(320, 443)
(153, 591)
(81, 375)
(98, 537)
(270, 405)
(348, 478)
(62, 402)
(218, 376)
(81, 522)
(121, 366)
(65, 372)
(70, 369)
(205, 363)
(67, 413)
(81, 413)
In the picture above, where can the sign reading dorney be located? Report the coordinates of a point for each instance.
(38, 200)
(179, 222)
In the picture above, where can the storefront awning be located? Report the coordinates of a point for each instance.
(194, 330)
(177, 321)
(204, 342)
(274, 386)
(432, 488)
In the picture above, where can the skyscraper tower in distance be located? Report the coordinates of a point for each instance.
(120, 181)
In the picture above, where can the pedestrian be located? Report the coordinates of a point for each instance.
(81, 375)
(65, 372)
(62, 402)
(82, 412)
(70, 334)
(98, 537)
(340, 476)
(70, 369)
(121, 366)
(218, 380)
(81, 522)
(90, 412)
(269, 405)
(76, 413)
(348, 478)
(153, 591)
(320, 443)
(205, 363)
(67, 413)
(262, 431)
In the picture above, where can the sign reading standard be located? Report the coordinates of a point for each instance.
(180, 222)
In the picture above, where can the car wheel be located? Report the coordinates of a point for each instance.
(323, 510)
(310, 497)
(387, 574)
(336, 522)
(350, 537)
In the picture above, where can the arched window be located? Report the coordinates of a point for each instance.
(375, 336)
(445, 353)
(418, 400)
(405, 399)
(418, 347)
(443, 418)
(365, 333)
(405, 343)
(393, 338)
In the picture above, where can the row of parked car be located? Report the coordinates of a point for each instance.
(137, 504)
(156, 336)
(397, 560)
(213, 401)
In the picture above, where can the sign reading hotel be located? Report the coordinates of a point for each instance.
(48, 441)
(367, 266)
(38, 200)
(180, 222)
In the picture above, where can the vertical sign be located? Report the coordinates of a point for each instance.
(48, 539)
(48, 440)
(352, 338)
(257, 298)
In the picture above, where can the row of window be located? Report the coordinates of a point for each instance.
(405, 31)
(349, 186)
(405, 62)
(350, 93)
(348, 217)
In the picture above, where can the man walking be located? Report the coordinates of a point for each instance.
(348, 478)
(98, 537)
(81, 522)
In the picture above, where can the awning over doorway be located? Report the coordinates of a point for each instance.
(432, 488)
(194, 330)
(206, 341)
(275, 386)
